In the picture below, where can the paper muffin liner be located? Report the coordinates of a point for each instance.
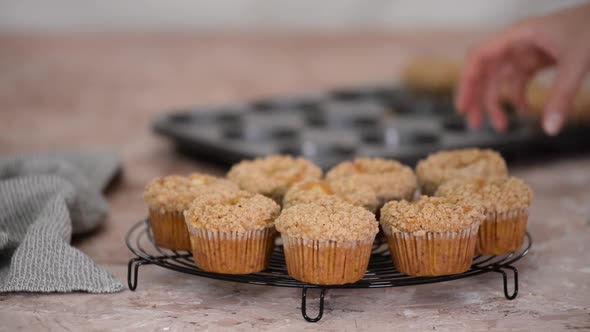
(502, 233)
(169, 230)
(232, 252)
(434, 253)
(326, 262)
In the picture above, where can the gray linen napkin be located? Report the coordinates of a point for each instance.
(44, 199)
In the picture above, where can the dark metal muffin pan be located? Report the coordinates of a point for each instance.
(379, 121)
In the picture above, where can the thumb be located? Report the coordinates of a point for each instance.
(563, 93)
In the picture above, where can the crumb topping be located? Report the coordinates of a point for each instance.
(430, 214)
(494, 194)
(441, 166)
(272, 176)
(175, 192)
(232, 211)
(344, 189)
(327, 220)
(390, 179)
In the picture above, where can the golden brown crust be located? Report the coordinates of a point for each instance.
(464, 163)
(272, 176)
(390, 179)
(176, 192)
(327, 220)
(231, 211)
(494, 194)
(342, 189)
(429, 214)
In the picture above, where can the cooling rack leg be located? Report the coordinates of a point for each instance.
(132, 271)
(304, 305)
(505, 280)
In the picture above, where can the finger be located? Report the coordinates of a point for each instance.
(517, 94)
(492, 97)
(527, 59)
(570, 73)
(478, 64)
(473, 77)
(475, 119)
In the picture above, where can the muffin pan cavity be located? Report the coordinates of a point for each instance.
(379, 120)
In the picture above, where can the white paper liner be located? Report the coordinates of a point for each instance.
(433, 253)
(232, 252)
(326, 262)
(169, 230)
(502, 233)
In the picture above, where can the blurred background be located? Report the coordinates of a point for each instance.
(263, 15)
(104, 74)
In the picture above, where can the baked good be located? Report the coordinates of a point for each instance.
(345, 189)
(273, 176)
(327, 242)
(232, 232)
(432, 76)
(167, 197)
(506, 202)
(538, 93)
(462, 163)
(390, 179)
(431, 236)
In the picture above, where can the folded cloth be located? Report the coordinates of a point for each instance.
(44, 199)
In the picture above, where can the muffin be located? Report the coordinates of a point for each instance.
(431, 76)
(431, 236)
(464, 163)
(273, 176)
(344, 189)
(167, 197)
(537, 94)
(232, 232)
(327, 242)
(505, 201)
(389, 179)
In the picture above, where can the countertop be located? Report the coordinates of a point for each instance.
(100, 92)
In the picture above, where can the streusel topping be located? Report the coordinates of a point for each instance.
(272, 176)
(388, 178)
(232, 211)
(441, 166)
(429, 214)
(175, 192)
(496, 194)
(345, 189)
(327, 220)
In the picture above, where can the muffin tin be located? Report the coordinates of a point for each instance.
(378, 121)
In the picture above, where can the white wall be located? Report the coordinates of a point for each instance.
(59, 15)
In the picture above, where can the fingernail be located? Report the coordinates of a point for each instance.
(553, 122)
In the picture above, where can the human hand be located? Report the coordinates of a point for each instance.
(512, 58)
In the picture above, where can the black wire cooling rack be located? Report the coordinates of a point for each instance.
(380, 273)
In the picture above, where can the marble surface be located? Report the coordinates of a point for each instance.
(100, 92)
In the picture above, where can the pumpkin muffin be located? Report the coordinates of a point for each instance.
(431, 236)
(506, 202)
(327, 242)
(390, 179)
(273, 176)
(344, 189)
(464, 163)
(167, 197)
(232, 232)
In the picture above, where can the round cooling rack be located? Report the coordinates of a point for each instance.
(380, 273)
